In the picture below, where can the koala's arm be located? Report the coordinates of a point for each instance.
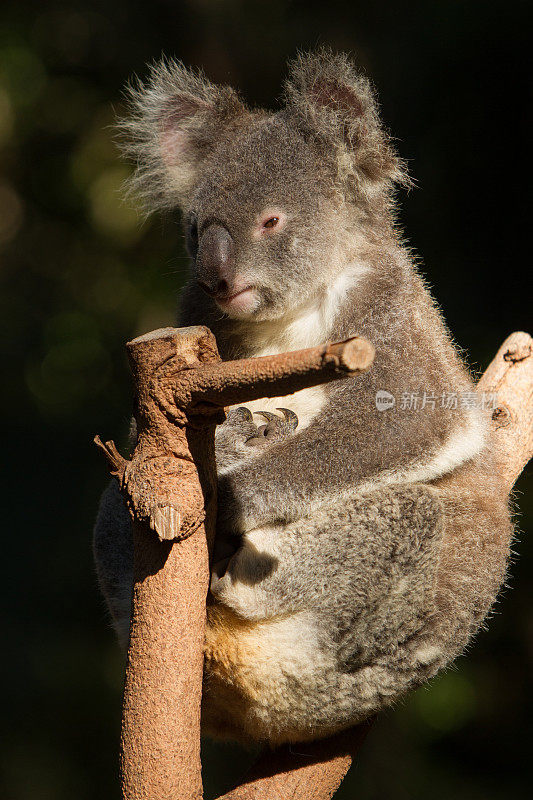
(349, 443)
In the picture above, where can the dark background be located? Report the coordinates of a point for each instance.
(81, 275)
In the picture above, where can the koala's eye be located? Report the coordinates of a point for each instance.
(266, 224)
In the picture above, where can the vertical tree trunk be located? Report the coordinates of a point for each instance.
(160, 747)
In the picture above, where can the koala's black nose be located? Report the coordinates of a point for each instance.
(215, 260)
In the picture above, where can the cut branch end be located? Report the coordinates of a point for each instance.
(166, 522)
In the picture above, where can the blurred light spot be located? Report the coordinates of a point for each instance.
(75, 367)
(112, 290)
(11, 213)
(23, 74)
(95, 151)
(448, 703)
(6, 117)
(109, 213)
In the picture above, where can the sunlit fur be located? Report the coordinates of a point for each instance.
(358, 554)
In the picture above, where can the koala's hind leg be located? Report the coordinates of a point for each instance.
(348, 559)
(335, 614)
(113, 554)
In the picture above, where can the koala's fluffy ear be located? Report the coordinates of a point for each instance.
(329, 100)
(176, 118)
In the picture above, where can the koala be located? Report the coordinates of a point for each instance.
(358, 548)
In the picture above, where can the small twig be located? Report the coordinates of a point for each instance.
(117, 463)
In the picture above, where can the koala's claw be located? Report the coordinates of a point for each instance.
(268, 415)
(290, 417)
(276, 429)
(244, 413)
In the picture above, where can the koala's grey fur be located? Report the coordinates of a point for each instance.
(359, 552)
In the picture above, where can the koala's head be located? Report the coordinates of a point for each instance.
(268, 198)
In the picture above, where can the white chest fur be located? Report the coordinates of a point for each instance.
(312, 325)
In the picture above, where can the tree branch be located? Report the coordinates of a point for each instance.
(510, 377)
(306, 770)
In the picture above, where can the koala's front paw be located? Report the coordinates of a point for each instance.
(231, 437)
(276, 428)
(239, 437)
(239, 425)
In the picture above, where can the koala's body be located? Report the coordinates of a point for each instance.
(358, 550)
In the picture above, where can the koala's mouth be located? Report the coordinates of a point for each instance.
(240, 303)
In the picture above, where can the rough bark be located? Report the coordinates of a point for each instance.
(510, 377)
(310, 770)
